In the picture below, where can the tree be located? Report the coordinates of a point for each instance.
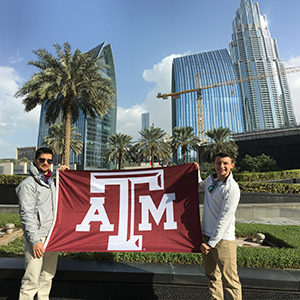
(262, 163)
(134, 158)
(220, 141)
(185, 139)
(55, 139)
(207, 168)
(24, 160)
(69, 84)
(15, 161)
(153, 145)
(118, 148)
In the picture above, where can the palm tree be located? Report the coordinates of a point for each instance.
(134, 155)
(153, 144)
(55, 139)
(118, 148)
(24, 160)
(220, 141)
(68, 84)
(185, 139)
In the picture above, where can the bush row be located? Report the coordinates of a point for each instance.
(240, 177)
(247, 176)
(261, 187)
(11, 179)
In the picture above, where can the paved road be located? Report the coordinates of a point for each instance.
(176, 293)
(96, 291)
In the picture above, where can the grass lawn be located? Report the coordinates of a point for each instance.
(286, 237)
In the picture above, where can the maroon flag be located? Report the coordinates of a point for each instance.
(141, 210)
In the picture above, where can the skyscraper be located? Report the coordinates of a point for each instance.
(266, 103)
(94, 132)
(221, 105)
(145, 121)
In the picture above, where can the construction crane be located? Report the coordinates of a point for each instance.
(199, 89)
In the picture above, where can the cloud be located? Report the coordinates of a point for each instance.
(160, 110)
(17, 58)
(12, 114)
(129, 120)
(15, 123)
(294, 83)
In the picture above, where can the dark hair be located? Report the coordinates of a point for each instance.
(224, 154)
(41, 151)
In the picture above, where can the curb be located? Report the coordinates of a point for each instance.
(12, 269)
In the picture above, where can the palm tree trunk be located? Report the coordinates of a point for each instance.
(152, 159)
(66, 150)
(120, 161)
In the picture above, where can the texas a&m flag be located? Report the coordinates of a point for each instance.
(142, 210)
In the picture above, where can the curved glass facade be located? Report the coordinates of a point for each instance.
(221, 105)
(94, 132)
(266, 103)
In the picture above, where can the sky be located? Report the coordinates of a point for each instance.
(145, 36)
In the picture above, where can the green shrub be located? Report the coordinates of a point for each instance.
(13, 249)
(262, 187)
(249, 182)
(268, 258)
(261, 163)
(206, 168)
(150, 257)
(11, 179)
(247, 176)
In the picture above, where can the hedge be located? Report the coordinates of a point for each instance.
(261, 187)
(240, 177)
(11, 179)
(247, 176)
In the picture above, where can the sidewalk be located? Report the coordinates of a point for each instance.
(271, 221)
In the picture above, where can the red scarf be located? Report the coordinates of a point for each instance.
(48, 175)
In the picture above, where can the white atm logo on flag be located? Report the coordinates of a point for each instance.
(96, 212)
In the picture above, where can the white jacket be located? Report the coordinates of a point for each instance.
(36, 205)
(218, 220)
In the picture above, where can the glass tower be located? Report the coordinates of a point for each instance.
(145, 121)
(221, 105)
(95, 132)
(266, 103)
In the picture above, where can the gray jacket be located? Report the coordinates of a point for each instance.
(36, 205)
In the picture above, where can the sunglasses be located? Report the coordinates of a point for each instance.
(211, 187)
(42, 160)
